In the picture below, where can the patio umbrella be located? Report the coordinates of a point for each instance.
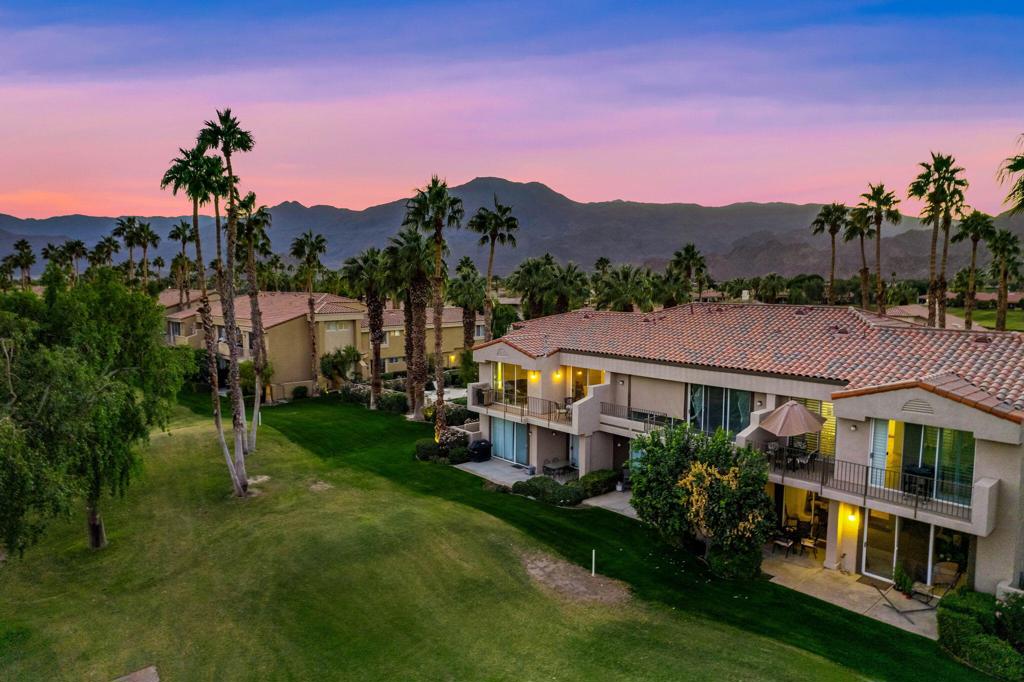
(792, 419)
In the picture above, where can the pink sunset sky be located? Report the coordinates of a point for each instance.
(796, 111)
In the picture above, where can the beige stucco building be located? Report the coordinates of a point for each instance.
(339, 322)
(919, 463)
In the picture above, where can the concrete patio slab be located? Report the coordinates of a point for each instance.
(496, 471)
(145, 675)
(613, 501)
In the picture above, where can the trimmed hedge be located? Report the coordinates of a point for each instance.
(968, 627)
(393, 401)
(458, 455)
(300, 392)
(598, 482)
(1011, 621)
(550, 491)
(427, 450)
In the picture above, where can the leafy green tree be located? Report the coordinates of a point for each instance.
(336, 365)
(307, 248)
(504, 317)
(881, 206)
(432, 210)
(831, 220)
(976, 227)
(661, 458)
(497, 227)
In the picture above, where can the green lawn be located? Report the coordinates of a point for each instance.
(402, 570)
(987, 317)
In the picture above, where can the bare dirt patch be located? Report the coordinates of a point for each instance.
(256, 480)
(320, 486)
(573, 582)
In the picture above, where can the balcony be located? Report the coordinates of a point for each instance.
(633, 419)
(959, 505)
(538, 410)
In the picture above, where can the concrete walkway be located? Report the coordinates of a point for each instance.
(808, 575)
(613, 501)
(496, 471)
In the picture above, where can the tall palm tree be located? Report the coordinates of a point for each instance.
(468, 291)
(189, 174)
(976, 227)
(159, 264)
(24, 259)
(1005, 249)
(432, 210)
(366, 277)
(624, 289)
(182, 233)
(570, 287)
(830, 220)
(108, 246)
(494, 227)
(411, 264)
(127, 229)
(307, 248)
(533, 280)
(148, 238)
(858, 226)
(55, 255)
(941, 185)
(76, 251)
(225, 134)
(882, 207)
(253, 240)
(686, 262)
(1012, 171)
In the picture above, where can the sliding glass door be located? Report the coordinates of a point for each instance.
(890, 541)
(508, 440)
(713, 407)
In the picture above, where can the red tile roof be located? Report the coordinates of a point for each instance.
(169, 297)
(277, 307)
(451, 315)
(850, 347)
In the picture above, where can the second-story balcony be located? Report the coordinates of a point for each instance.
(910, 493)
(538, 410)
(633, 418)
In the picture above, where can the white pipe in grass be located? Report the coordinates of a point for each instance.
(593, 562)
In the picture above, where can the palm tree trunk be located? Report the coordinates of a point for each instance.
(421, 294)
(314, 365)
(932, 283)
(259, 361)
(407, 315)
(439, 416)
(488, 301)
(234, 336)
(131, 263)
(375, 312)
(1001, 297)
(943, 285)
(880, 283)
(239, 480)
(832, 274)
(971, 284)
(468, 328)
(864, 299)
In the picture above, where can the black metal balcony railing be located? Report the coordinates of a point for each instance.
(924, 493)
(539, 408)
(650, 419)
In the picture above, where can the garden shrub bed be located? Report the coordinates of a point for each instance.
(569, 494)
(971, 628)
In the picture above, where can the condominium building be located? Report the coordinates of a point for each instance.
(918, 463)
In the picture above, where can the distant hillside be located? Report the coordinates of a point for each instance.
(739, 240)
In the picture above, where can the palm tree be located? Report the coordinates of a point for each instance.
(858, 226)
(941, 185)
(226, 135)
(570, 287)
(147, 238)
(533, 280)
(253, 240)
(182, 233)
(1014, 166)
(494, 227)
(127, 229)
(108, 246)
(1005, 249)
(55, 255)
(410, 257)
(307, 249)
(432, 210)
(771, 286)
(624, 289)
(976, 227)
(831, 219)
(159, 264)
(24, 259)
(366, 277)
(881, 206)
(467, 291)
(76, 251)
(687, 262)
(189, 173)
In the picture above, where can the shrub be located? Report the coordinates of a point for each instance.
(300, 392)
(734, 563)
(550, 491)
(1010, 621)
(427, 450)
(992, 655)
(358, 394)
(902, 580)
(665, 457)
(455, 415)
(458, 455)
(598, 482)
(955, 629)
(393, 401)
(451, 439)
(978, 606)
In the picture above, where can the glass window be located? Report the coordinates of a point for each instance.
(713, 407)
(696, 406)
(739, 410)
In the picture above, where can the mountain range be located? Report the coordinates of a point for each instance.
(738, 240)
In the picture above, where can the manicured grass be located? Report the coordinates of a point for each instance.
(986, 317)
(402, 570)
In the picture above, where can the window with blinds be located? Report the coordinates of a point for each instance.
(825, 441)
